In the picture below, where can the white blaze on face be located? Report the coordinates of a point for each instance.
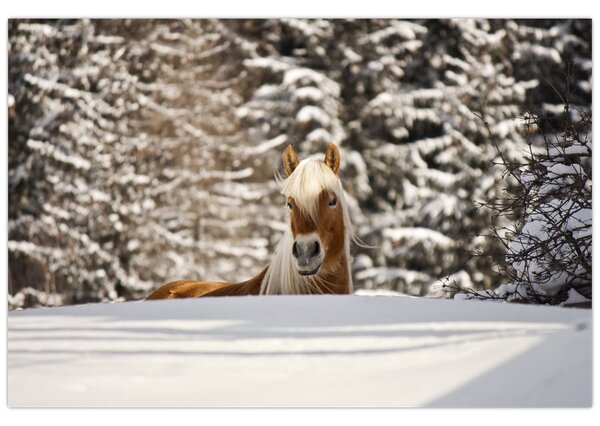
(308, 253)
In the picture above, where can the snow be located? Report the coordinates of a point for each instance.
(264, 146)
(550, 250)
(417, 233)
(384, 275)
(312, 113)
(267, 63)
(380, 292)
(403, 30)
(48, 150)
(301, 351)
(319, 27)
(571, 150)
(297, 76)
(527, 49)
(575, 297)
(308, 93)
(564, 169)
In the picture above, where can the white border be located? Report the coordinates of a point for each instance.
(254, 8)
(303, 8)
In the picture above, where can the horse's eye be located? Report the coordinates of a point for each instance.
(332, 202)
(289, 206)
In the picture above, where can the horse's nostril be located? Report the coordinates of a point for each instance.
(316, 249)
(306, 250)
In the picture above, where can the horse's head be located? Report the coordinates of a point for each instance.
(316, 203)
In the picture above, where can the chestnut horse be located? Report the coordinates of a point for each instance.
(313, 256)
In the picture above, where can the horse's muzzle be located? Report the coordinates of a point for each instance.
(313, 272)
(308, 254)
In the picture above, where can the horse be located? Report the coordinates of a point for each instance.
(313, 255)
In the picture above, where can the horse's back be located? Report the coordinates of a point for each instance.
(188, 288)
(184, 289)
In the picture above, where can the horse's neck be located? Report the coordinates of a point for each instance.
(246, 288)
(336, 280)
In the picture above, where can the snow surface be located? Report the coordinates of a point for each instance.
(301, 351)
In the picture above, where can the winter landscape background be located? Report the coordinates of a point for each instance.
(144, 151)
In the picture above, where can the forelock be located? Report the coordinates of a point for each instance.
(310, 178)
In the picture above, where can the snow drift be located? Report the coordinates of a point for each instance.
(301, 351)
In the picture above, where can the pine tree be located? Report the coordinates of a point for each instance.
(143, 151)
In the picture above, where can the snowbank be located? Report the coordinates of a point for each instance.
(301, 351)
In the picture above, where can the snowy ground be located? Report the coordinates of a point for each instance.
(301, 351)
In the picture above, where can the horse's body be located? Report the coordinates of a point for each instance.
(313, 256)
(189, 288)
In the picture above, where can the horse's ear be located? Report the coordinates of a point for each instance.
(332, 158)
(290, 160)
